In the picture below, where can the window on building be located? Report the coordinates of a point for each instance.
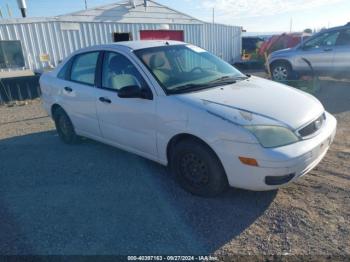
(11, 54)
(118, 37)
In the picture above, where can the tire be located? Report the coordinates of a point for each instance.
(64, 127)
(197, 168)
(281, 71)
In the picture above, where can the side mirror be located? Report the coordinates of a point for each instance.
(135, 91)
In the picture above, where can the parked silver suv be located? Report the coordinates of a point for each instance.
(325, 53)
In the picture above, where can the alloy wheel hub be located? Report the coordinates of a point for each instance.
(280, 73)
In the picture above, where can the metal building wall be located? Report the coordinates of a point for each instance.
(49, 38)
(222, 40)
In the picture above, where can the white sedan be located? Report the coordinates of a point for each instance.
(181, 106)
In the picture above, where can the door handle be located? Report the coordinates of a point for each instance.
(68, 89)
(105, 100)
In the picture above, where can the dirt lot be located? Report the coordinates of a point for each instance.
(95, 199)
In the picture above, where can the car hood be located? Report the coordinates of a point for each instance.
(282, 52)
(257, 101)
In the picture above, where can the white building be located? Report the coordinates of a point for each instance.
(34, 43)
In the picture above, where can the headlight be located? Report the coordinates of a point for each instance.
(273, 136)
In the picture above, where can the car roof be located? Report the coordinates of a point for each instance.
(347, 26)
(131, 45)
(141, 44)
(135, 45)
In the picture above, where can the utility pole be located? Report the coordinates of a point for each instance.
(9, 10)
(291, 25)
(23, 7)
(213, 15)
(86, 7)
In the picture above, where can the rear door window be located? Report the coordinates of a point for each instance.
(64, 72)
(84, 67)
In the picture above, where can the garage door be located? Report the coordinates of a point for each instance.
(162, 35)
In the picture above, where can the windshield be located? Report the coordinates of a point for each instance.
(186, 68)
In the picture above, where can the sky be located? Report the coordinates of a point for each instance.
(262, 16)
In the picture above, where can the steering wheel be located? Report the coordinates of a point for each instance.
(197, 68)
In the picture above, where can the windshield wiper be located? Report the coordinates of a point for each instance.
(242, 77)
(224, 79)
(188, 87)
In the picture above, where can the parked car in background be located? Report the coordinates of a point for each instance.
(326, 53)
(254, 48)
(181, 106)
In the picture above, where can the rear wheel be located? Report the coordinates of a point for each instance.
(64, 127)
(281, 71)
(197, 168)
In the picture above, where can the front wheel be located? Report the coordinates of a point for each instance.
(197, 169)
(281, 71)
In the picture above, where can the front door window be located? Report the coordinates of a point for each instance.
(327, 39)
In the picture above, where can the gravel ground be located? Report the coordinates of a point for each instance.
(94, 199)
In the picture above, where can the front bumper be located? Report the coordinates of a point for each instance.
(293, 160)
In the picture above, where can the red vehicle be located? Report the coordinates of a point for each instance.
(278, 42)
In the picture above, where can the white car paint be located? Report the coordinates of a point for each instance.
(214, 115)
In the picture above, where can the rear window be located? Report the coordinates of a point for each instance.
(63, 74)
(84, 67)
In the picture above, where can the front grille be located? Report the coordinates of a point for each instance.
(313, 126)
